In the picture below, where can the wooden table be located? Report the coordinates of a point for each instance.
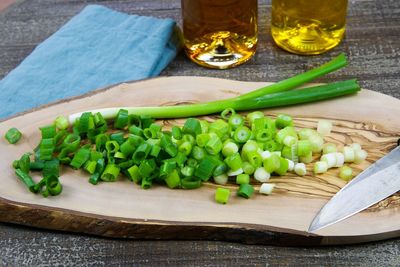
(373, 47)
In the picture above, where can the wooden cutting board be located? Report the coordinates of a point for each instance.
(122, 209)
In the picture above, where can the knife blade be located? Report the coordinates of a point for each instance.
(375, 183)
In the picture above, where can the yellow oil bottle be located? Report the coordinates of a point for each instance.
(308, 26)
(219, 33)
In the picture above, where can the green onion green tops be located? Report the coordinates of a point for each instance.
(13, 135)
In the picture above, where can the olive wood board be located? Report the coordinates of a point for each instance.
(124, 210)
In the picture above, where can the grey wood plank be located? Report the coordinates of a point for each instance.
(373, 47)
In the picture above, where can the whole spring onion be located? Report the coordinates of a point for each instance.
(268, 96)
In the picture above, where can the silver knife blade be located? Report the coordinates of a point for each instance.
(377, 182)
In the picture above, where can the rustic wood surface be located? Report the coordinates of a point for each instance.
(373, 46)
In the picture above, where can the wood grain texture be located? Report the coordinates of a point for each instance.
(282, 218)
(374, 47)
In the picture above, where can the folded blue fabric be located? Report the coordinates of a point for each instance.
(96, 48)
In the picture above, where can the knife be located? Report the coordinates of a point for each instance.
(375, 183)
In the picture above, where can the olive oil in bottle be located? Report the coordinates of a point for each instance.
(219, 33)
(308, 26)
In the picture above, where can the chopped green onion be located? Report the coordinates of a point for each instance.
(346, 173)
(155, 151)
(221, 168)
(122, 119)
(267, 189)
(180, 159)
(190, 183)
(118, 137)
(202, 139)
(221, 179)
(46, 147)
(176, 132)
(316, 143)
(290, 165)
(243, 178)
(136, 130)
(235, 121)
(283, 120)
(134, 174)
(204, 126)
(110, 173)
(153, 131)
(235, 173)
(146, 183)
(53, 185)
(135, 120)
(187, 171)
(172, 179)
(101, 141)
(254, 158)
(229, 148)
(219, 127)
(168, 146)
(214, 145)
(272, 163)
(242, 134)
(80, 158)
(206, 168)
(51, 168)
(36, 166)
(141, 153)
(262, 175)
(264, 135)
(303, 147)
(306, 159)
(283, 167)
(61, 122)
(85, 123)
(349, 154)
(167, 167)
(147, 167)
(254, 115)
(222, 195)
(306, 133)
(329, 148)
(339, 159)
(26, 179)
(185, 148)
(330, 159)
(13, 135)
(291, 152)
(320, 167)
(245, 191)
(192, 126)
(234, 162)
(356, 146)
(360, 156)
(300, 169)
(71, 142)
(227, 113)
(324, 127)
(198, 153)
(248, 168)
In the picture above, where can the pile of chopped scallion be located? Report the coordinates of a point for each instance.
(109, 142)
(234, 148)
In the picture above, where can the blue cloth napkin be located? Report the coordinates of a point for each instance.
(96, 48)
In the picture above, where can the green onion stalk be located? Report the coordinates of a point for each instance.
(268, 96)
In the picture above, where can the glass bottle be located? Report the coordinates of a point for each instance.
(308, 26)
(219, 33)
